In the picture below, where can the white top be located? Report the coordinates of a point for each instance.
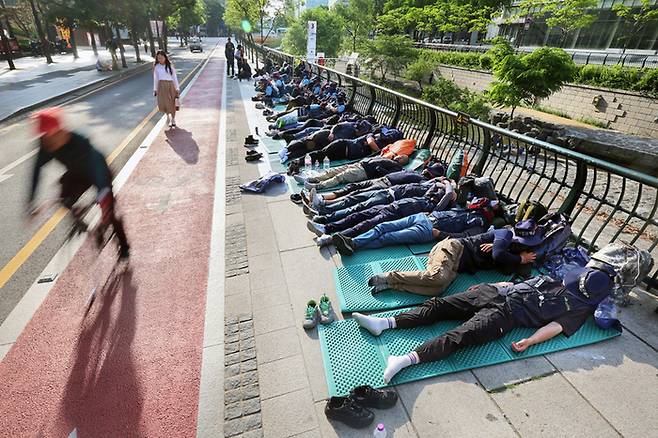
(238, 55)
(160, 73)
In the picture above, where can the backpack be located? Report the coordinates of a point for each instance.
(557, 230)
(530, 210)
(473, 186)
(628, 264)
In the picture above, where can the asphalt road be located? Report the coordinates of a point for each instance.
(107, 116)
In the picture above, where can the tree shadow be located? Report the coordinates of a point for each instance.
(183, 143)
(102, 396)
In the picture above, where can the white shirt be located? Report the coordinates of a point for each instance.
(160, 73)
(238, 55)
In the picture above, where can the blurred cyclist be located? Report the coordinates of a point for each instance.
(85, 167)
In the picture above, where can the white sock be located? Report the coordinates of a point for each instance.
(373, 324)
(173, 120)
(396, 363)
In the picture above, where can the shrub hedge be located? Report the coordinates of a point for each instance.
(644, 81)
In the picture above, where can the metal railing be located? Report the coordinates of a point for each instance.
(581, 57)
(606, 202)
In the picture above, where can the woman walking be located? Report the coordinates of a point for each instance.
(165, 86)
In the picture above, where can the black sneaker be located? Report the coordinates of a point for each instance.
(374, 398)
(347, 411)
(343, 244)
(250, 140)
(319, 219)
(253, 157)
(124, 252)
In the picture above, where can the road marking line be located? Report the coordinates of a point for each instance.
(42, 233)
(5, 177)
(25, 157)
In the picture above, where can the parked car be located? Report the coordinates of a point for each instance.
(447, 39)
(195, 44)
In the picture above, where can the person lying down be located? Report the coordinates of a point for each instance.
(490, 311)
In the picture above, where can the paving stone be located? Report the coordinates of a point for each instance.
(290, 226)
(245, 317)
(232, 383)
(270, 296)
(237, 285)
(234, 410)
(231, 359)
(249, 378)
(248, 343)
(234, 427)
(232, 370)
(250, 392)
(258, 433)
(248, 365)
(277, 345)
(265, 270)
(569, 414)
(453, 405)
(282, 376)
(289, 414)
(235, 304)
(251, 406)
(499, 376)
(231, 348)
(228, 339)
(274, 318)
(253, 421)
(247, 354)
(233, 396)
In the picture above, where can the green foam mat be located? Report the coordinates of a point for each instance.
(421, 248)
(417, 159)
(280, 107)
(373, 255)
(354, 295)
(271, 145)
(354, 357)
(275, 164)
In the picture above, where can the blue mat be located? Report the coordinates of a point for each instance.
(271, 145)
(373, 255)
(354, 357)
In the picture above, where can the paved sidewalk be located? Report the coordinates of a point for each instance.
(34, 80)
(132, 366)
(606, 389)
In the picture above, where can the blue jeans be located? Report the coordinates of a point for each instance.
(356, 202)
(305, 133)
(411, 229)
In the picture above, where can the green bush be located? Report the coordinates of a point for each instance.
(446, 94)
(648, 83)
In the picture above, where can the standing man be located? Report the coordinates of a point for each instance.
(229, 51)
(238, 58)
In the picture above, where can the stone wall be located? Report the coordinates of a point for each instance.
(621, 110)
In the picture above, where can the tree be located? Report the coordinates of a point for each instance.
(565, 15)
(528, 78)
(214, 17)
(647, 13)
(388, 54)
(45, 44)
(244, 14)
(420, 71)
(329, 33)
(186, 17)
(357, 17)
(446, 94)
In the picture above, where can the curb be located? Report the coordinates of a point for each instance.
(83, 88)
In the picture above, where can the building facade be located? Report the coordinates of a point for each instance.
(608, 31)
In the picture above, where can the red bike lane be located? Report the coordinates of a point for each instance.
(131, 367)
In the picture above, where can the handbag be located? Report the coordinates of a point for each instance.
(177, 104)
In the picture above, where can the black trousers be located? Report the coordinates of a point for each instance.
(369, 184)
(485, 311)
(230, 69)
(74, 186)
(336, 150)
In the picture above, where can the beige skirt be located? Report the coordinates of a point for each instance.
(166, 97)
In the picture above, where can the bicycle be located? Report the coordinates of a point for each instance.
(101, 233)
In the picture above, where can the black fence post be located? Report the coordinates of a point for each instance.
(398, 110)
(431, 129)
(574, 193)
(373, 97)
(484, 153)
(350, 105)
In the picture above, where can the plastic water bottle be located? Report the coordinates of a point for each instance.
(308, 163)
(326, 163)
(380, 431)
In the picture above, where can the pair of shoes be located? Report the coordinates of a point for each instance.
(254, 98)
(353, 409)
(308, 211)
(260, 106)
(319, 219)
(343, 244)
(253, 155)
(268, 112)
(378, 283)
(315, 228)
(317, 313)
(124, 253)
(324, 240)
(250, 140)
(293, 169)
(296, 198)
